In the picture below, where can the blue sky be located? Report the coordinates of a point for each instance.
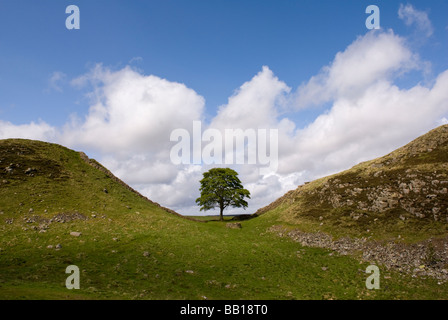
(211, 46)
(47, 74)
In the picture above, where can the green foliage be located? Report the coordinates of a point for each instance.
(130, 248)
(221, 188)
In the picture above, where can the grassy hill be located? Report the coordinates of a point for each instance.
(59, 208)
(403, 193)
(391, 211)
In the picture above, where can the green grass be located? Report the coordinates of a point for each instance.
(322, 205)
(133, 249)
(246, 263)
(372, 225)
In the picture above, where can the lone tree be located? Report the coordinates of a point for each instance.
(221, 187)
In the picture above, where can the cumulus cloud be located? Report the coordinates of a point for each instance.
(412, 16)
(382, 119)
(369, 115)
(132, 115)
(181, 193)
(376, 56)
(132, 112)
(130, 121)
(254, 104)
(128, 128)
(37, 131)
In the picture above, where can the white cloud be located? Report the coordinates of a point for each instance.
(132, 112)
(369, 116)
(382, 119)
(411, 16)
(371, 58)
(254, 104)
(55, 80)
(141, 168)
(37, 131)
(132, 115)
(179, 194)
(130, 121)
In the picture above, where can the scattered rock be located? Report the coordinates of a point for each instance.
(30, 171)
(189, 271)
(426, 258)
(233, 225)
(75, 233)
(146, 254)
(57, 247)
(67, 217)
(10, 169)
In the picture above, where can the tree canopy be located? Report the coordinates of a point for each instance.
(221, 188)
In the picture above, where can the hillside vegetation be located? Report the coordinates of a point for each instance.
(404, 193)
(391, 211)
(59, 208)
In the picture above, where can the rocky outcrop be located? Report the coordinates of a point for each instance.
(421, 194)
(426, 258)
(411, 181)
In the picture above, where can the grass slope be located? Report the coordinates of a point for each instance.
(403, 194)
(130, 248)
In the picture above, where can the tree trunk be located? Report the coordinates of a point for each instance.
(221, 217)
